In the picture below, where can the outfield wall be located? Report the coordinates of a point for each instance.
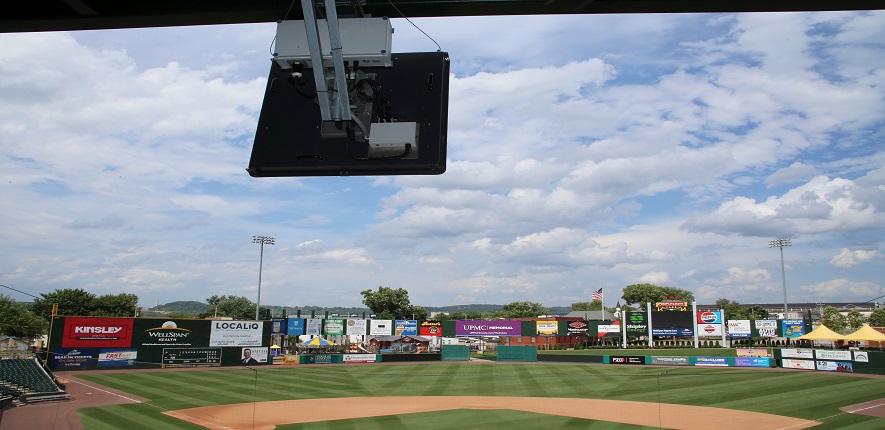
(82, 343)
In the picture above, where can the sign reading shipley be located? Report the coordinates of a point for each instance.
(637, 324)
(236, 333)
(488, 328)
(97, 332)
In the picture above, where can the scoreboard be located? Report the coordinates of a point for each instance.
(191, 357)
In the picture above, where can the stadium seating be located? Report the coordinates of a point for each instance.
(25, 378)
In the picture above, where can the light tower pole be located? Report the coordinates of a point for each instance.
(781, 243)
(263, 240)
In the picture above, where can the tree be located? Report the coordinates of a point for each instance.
(856, 320)
(71, 302)
(877, 318)
(229, 306)
(648, 293)
(833, 319)
(388, 303)
(587, 306)
(524, 309)
(115, 305)
(16, 320)
(756, 312)
(731, 309)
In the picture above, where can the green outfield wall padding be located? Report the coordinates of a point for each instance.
(455, 353)
(529, 328)
(518, 353)
(448, 328)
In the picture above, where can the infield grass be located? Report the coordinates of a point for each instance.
(809, 395)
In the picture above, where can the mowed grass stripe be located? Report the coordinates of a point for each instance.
(806, 395)
(130, 417)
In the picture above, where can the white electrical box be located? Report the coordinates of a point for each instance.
(390, 139)
(367, 40)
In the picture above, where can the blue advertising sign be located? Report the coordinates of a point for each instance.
(278, 326)
(792, 328)
(295, 326)
(752, 362)
(72, 358)
(711, 361)
(406, 328)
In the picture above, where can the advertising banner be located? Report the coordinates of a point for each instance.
(117, 357)
(709, 317)
(236, 333)
(191, 357)
(170, 333)
(711, 361)
(334, 327)
(751, 352)
(253, 355)
(835, 366)
(278, 326)
(72, 358)
(637, 324)
(766, 328)
(381, 327)
(314, 327)
(359, 358)
(610, 329)
(295, 326)
(406, 328)
(669, 361)
(710, 330)
(789, 363)
(488, 328)
(671, 331)
(357, 327)
(547, 328)
(430, 328)
(861, 356)
(793, 328)
(577, 328)
(797, 353)
(739, 328)
(85, 332)
(826, 354)
(752, 362)
(627, 359)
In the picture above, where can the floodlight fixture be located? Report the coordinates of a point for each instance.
(781, 243)
(263, 240)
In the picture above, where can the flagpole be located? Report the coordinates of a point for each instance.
(602, 301)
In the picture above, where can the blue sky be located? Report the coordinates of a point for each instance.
(584, 152)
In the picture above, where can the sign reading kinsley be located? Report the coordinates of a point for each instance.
(488, 328)
(97, 332)
(236, 333)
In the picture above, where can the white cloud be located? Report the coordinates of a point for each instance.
(848, 258)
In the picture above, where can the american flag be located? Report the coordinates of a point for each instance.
(597, 295)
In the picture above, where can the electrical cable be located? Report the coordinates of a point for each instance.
(438, 48)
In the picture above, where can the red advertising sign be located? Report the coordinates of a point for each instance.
(97, 333)
(430, 328)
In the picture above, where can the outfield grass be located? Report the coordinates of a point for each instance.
(809, 395)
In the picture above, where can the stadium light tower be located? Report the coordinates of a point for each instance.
(263, 240)
(781, 243)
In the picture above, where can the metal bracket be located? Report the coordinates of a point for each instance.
(334, 106)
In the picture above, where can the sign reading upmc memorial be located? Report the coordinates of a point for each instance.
(488, 328)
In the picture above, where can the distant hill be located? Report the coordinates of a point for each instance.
(187, 307)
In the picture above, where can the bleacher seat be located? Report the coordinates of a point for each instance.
(20, 376)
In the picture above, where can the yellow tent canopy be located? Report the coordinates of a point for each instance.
(866, 333)
(822, 333)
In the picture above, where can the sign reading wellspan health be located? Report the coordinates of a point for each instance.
(236, 333)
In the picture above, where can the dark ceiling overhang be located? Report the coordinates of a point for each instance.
(55, 15)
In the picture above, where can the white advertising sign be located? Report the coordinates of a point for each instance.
(797, 353)
(381, 328)
(236, 333)
(798, 364)
(314, 327)
(356, 327)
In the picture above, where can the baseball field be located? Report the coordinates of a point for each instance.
(482, 396)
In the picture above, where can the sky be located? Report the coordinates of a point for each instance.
(584, 152)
